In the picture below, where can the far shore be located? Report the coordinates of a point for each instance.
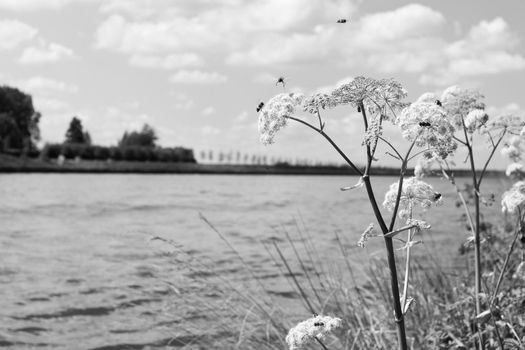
(9, 164)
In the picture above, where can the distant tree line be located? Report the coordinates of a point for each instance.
(19, 133)
(133, 146)
(238, 157)
(19, 129)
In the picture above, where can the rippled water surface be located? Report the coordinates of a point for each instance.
(78, 269)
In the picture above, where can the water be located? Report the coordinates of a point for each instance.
(78, 269)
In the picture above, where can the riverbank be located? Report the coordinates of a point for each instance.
(10, 164)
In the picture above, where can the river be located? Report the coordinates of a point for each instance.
(78, 269)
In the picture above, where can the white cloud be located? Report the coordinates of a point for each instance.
(45, 85)
(33, 5)
(182, 102)
(46, 53)
(485, 50)
(14, 33)
(208, 111)
(220, 26)
(197, 77)
(48, 105)
(209, 130)
(173, 61)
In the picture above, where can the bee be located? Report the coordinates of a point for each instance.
(424, 124)
(318, 324)
(437, 196)
(438, 102)
(358, 109)
(259, 107)
(281, 80)
(342, 20)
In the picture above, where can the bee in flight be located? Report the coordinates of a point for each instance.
(281, 80)
(259, 107)
(437, 196)
(342, 20)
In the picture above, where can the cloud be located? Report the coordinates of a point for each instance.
(46, 53)
(14, 33)
(182, 102)
(209, 130)
(485, 50)
(173, 61)
(197, 77)
(39, 84)
(33, 5)
(220, 26)
(208, 111)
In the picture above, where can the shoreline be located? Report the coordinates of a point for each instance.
(9, 164)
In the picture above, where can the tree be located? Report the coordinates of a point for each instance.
(18, 119)
(76, 134)
(144, 138)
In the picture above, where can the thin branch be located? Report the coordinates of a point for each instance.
(490, 157)
(391, 146)
(347, 160)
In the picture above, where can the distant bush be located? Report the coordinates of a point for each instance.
(128, 153)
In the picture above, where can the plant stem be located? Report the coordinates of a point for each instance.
(477, 257)
(398, 312)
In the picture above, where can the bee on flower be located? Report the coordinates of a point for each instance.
(307, 331)
(414, 193)
(426, 124)
(274, 115)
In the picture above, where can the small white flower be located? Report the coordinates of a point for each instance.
(513, 169)
(514, 199)
(426, 123)
(273, 115)
(419, 224)
(428, 97)
(520, 271)
(316, 327)
(459, 102)
(512, 149)
(365, 236)
(415, 192)
(475, 119)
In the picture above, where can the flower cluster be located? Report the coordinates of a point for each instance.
(426, 124)
(514, 169)
(510, 123)
(459, 102)
(512, 149)
(314, 103)
(378, 96)
(475, 119)
(366, 235)
(514, 199)
(315, 327)
(414, 193)
(273, 115)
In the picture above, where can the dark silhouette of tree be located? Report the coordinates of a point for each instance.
(144, 138)
(18, 120)
(76, 134)
(210, 155)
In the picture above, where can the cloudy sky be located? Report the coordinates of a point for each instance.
(196, 69)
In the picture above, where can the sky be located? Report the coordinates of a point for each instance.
(196, 70)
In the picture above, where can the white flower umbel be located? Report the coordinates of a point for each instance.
(414, 193)
(366, 235)
(514, 169)
(426, 123)
(512, 124)
(306, 332)
(459, 102)
(475, 119)
(273, 115)
(381, 97)
(514, 199)
(316, 102)
(512, 149)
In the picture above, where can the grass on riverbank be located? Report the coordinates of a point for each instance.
(255, 317)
